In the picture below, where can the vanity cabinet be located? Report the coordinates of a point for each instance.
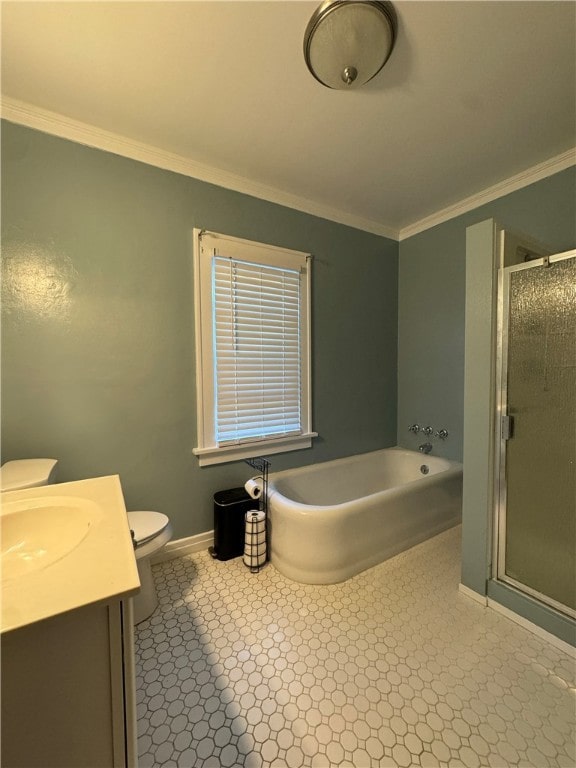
(67, 658)
(68, 690)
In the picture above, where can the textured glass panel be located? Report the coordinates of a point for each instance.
(541, 455)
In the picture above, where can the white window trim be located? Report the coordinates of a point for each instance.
(208, 451)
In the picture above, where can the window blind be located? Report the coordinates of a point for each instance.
(257, 349)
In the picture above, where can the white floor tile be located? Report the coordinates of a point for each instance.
(392, 668)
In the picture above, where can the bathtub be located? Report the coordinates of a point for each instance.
(333, 520)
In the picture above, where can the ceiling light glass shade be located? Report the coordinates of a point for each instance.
(347, 42)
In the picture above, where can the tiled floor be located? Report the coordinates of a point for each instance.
(391, 668)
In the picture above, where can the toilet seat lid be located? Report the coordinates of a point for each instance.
(146, 525)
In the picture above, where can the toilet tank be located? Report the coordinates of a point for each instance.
(27, 473)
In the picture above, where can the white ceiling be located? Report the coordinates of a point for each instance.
(473, 94)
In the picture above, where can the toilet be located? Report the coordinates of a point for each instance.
(151, 530)
(27, 473)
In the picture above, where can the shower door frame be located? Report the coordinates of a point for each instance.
(502, 428)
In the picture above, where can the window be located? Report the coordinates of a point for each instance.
(252, 348)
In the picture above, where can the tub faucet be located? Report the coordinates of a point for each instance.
(425, 447)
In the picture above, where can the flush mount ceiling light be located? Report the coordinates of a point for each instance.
(347, 42)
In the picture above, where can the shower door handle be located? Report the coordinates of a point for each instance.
(507, 427)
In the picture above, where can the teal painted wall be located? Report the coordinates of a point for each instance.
(479, 404)
(431, 300)
(98, 327)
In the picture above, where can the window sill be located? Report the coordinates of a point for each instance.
(209, 456)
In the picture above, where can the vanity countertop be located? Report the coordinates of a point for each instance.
(84, 555)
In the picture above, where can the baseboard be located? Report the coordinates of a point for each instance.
(182, 547)
(476, 596)
(534, 628)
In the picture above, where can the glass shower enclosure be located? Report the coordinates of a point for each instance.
(536, 430)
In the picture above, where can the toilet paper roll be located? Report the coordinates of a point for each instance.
(255, 539)
(252, 533)
(254, 487)
(253, 561)
(255, 519)
(252, 539)
(255, 548)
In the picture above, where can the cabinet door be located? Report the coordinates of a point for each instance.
(58, 681)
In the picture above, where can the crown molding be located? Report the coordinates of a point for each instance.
(28, 115)
(520, 180)
(56, 124)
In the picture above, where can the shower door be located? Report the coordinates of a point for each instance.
(536, 493)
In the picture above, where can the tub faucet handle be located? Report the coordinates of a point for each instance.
(427, 431)
(442, 434)
(414, 428)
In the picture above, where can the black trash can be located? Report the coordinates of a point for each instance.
(230, 508)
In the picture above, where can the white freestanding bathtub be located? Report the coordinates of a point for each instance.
(332, 520)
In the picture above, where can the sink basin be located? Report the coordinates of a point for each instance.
(63, 547)
(37, 532)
